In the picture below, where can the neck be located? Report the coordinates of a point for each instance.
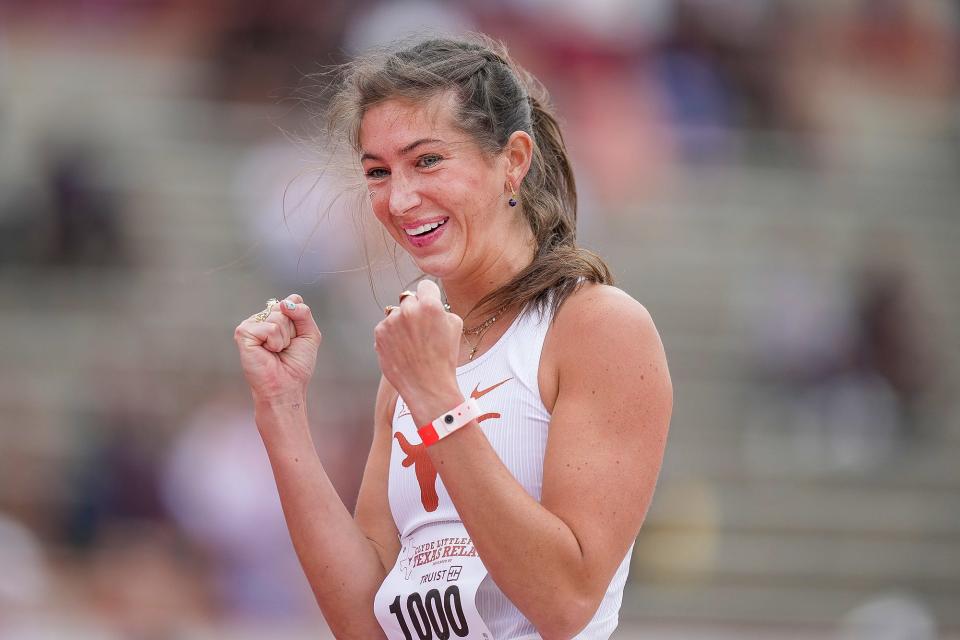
(464, 293)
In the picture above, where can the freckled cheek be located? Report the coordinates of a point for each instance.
(379, 202)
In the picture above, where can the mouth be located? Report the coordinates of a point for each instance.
(425, 233)
(425, 229)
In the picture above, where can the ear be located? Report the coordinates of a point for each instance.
(518, 153)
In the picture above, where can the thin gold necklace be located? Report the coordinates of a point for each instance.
(480, 330)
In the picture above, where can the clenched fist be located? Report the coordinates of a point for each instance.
(418, 344)
(279, 353)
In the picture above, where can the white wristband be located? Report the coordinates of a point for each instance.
(460, 416)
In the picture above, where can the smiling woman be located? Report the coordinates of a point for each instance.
(519, 431)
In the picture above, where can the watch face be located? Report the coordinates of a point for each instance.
(448, 419)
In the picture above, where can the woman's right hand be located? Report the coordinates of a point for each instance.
(279, 354)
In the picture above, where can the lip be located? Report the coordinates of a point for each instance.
(420, 243)
(420, 223)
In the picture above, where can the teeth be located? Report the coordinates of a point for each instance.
(430, 226)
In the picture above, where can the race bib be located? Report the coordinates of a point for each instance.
(431, 591)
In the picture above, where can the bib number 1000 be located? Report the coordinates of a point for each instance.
(433, 616)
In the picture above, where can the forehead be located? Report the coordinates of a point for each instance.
(392, 124)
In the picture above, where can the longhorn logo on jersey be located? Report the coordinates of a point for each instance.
(419, 459)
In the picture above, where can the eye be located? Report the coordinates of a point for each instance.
(429, 160)
(377, 173)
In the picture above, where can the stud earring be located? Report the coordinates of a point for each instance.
(513, 197)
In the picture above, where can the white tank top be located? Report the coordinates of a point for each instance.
(433, 540)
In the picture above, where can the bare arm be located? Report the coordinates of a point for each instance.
(345, 560)
(606, 442)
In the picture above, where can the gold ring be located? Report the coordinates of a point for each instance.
(406, 294)
(390, 307)
(260, 317)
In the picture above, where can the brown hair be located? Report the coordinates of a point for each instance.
(496, 97)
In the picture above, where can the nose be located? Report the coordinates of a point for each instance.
(403, 195)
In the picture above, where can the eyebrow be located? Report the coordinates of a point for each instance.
(407, 149)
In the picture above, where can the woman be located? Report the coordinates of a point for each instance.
(518, 431)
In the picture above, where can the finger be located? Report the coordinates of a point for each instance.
(275, 341)
(265, 334)
(406, 302)
(286, 324)
(379, 333)
(244, 333)
(259, 316)
(295, 298)
(455, 321)
(303, 322)
(429, 293)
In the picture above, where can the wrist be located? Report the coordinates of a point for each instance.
(428, 406)
(280, 403)
(282, 422)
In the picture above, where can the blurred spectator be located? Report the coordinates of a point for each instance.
(262, 48)
(717, 64)
(114, 479)
(86, 217)
(25, 232)
(894, 339)
(846, 370)
(72, 219)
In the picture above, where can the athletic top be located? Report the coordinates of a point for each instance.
(438, 579)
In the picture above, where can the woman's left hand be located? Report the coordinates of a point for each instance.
(418, 344)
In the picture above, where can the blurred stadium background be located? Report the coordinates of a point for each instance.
(776, 180)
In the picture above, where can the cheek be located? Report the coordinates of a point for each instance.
(379, 202)
(469, 194)
(482, 198)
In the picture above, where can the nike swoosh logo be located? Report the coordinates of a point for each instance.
(477, 393)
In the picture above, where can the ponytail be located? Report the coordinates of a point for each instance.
(549, 197)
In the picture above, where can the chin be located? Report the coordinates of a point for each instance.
(434, 268)
(437, 265)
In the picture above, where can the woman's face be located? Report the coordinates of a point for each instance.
(441, 198)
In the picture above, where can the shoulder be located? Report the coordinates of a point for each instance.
(600, 308)
(600, 320)
(602, 335)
